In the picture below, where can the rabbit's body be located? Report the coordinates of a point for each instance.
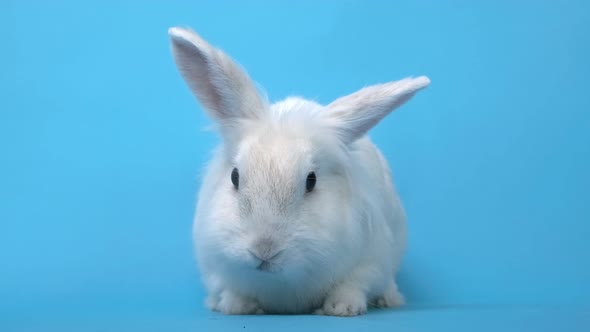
(297, 212)
(369, 261)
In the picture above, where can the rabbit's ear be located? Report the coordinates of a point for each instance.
(222, 87)
(353, 115)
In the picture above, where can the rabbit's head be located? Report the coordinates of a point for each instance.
(284, 189)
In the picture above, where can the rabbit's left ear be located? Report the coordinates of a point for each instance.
(353, 115)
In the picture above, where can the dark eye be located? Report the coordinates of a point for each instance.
(235, 178)
(310, 182)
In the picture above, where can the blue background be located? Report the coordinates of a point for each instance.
(101, 147)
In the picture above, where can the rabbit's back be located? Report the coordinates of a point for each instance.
(386, 211)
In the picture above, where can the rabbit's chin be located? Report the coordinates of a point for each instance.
(284, 273)
(292, 275)
(283, 290)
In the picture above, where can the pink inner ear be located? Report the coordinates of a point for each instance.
(222, 87)
(192, 64)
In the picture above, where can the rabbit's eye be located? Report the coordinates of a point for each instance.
(310, 182)
(235, 178)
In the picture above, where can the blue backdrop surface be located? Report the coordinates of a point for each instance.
(101, 147)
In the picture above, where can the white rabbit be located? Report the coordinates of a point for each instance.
(297, 212)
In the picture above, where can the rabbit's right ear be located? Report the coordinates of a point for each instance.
(222, 87)
(353, 115)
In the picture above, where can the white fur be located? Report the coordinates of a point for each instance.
(333, 250)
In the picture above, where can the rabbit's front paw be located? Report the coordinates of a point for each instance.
(343, 302)
(391, 298)
(234, 304)
(213, 301)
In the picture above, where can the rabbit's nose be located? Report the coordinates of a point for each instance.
(264, 249)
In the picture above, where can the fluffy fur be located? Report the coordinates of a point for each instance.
(269, 246)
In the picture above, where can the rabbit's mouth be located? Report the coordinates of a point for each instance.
(266, 259)
(269, 265)
(265, 266)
